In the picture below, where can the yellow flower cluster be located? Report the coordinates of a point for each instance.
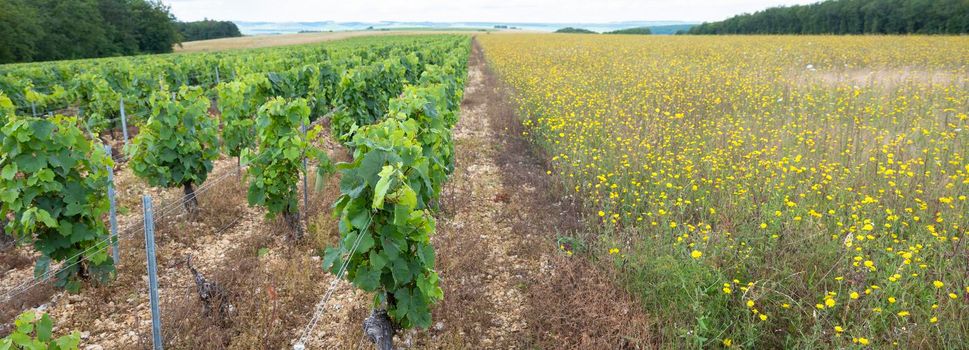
(785, 161)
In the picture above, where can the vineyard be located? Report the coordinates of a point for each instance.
(763, 192)
(255, 126)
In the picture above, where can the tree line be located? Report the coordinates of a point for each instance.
(850, 17)
(635, 31)
(208, 29)
(44, 30)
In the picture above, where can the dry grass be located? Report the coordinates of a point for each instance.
(264, 292)
(273, 295)
(13, 258)
(9, 310)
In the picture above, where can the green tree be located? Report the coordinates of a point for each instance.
(208, 29)
(633, 31)
(119, 21)
(155, 26)
(19, 30)
(74, 29)
(573, 30)
(850, 17)
(44, 30)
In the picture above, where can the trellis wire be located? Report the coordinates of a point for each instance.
(321, 305)
(168, 209)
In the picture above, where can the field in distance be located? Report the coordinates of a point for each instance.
(257, 41)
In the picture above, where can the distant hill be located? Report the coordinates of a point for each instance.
(850, 17)
(633, 31)
(671, 29)
(575, 31)
(260, 28)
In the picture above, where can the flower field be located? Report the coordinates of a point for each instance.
(769, 191)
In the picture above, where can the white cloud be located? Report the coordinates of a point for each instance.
(468, 10)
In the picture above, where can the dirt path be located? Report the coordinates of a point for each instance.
(480, 252)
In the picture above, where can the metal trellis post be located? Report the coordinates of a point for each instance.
(113, 219)
(152, 273)
(124, 124)
(305, 175)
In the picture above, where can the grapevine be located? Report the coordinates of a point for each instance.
(31, 332)
(385, 186)
(387, 196)
(274, 171)
(178, 144)
(53, 190)
(363, 94)
(239, 101)
(98, 100)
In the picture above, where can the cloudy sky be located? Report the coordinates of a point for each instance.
(545, 11)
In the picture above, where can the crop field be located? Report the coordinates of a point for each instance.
(195, 120)
(763, 191)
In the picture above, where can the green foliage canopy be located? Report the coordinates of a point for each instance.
(274, 170)
(575, 30)
(53, 190)
(44, 30)
(850, 17)
(239, 102)
(177, 145)
(208, 29)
